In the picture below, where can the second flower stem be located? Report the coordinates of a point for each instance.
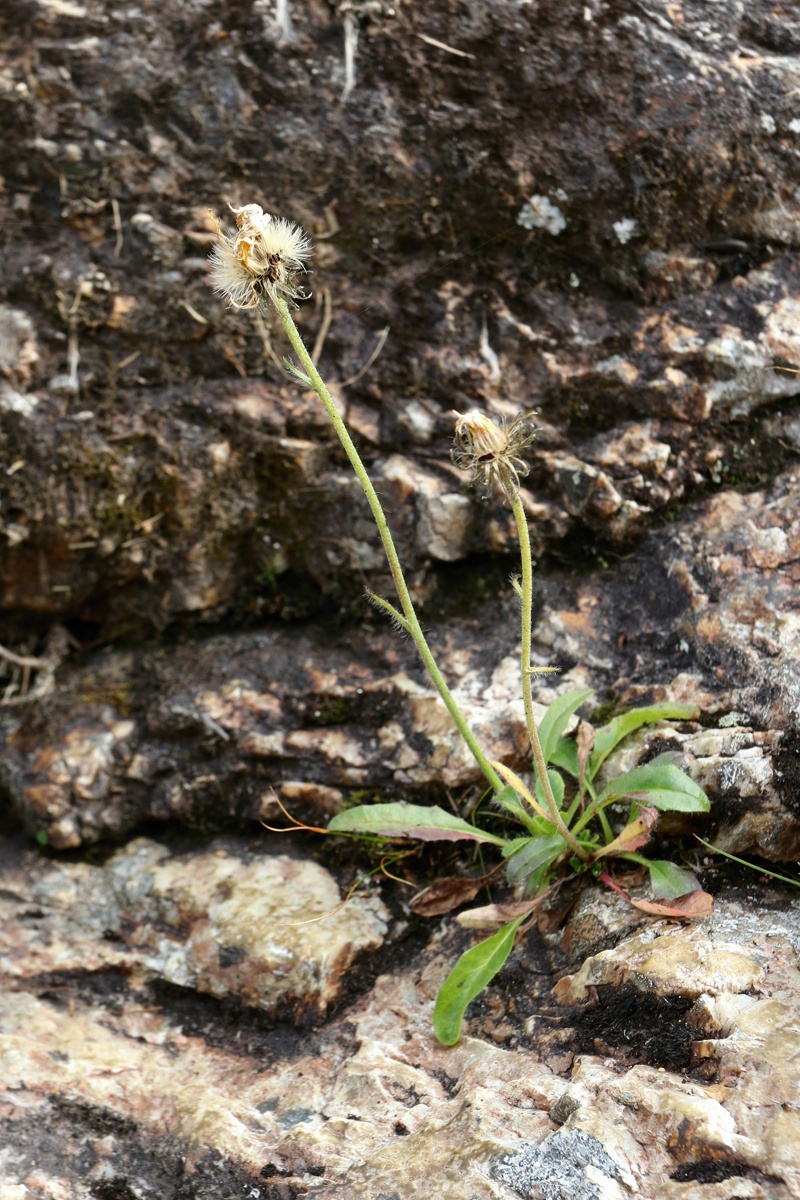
(526, 605)
(406, 603)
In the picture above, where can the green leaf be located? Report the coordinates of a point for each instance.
(537, 881)
(475, 969)
(557, 784)
(291, 369)
(751, 866)
(409, 820)
(508, 799)
(668, 881)
(526, 855)
(396, 616)
(557, 717)
(565, 756)
(610, 735)
(658, 784)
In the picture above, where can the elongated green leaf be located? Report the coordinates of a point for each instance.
(610, 735)
(409, 820)
(565, 756)
(742, 861)
(508, 799)
(473, 971)
(557, 784)
(658, 784)
(511, 848)
(534, 853)
(556, 719)
(669, 881)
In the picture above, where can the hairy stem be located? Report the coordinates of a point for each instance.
(414, 627)
(526, 608)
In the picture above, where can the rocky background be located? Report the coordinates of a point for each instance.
(590, 209)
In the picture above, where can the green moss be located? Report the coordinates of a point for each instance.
(332, 710)
(117, 695)
(605, 712)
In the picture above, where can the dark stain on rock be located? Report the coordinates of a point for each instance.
(108, 987)
(787, 771)
(717, 1170)
(112, 1189)
(98, 1120)
(270, 1171)
(632, 1026)
(707, 1172)
(230, 956)
(448, 1082)
(228, 1024)
(69, 1141)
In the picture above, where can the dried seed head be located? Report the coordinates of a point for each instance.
(262, 260)
(492, 451)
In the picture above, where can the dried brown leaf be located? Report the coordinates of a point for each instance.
(492, 915)
(585, 743)
(634, 835)
(445, 894)
(683, 908)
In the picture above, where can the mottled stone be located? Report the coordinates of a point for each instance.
(590, 292)
(267, 931)
(377, 1107)
(604, 237)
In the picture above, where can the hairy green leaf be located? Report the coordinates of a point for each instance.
(296, 373)
(557, 717)
(669, 881)
(610, 735)
(658, 784)
(528, 854)
(409, 820)
(473, 971)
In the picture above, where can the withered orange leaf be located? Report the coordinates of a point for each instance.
(683, 908)
(445, 894)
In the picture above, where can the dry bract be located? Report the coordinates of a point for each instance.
(263, 259)
(492, 451)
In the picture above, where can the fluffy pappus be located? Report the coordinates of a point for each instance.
(261, 260)
(492, 451)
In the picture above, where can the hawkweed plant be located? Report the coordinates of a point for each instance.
(570, 825)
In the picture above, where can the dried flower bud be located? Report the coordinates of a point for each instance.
(492, 451)
(263, 259)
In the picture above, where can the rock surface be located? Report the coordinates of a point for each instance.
(153, 472)
(585, 208)
(548, 1091)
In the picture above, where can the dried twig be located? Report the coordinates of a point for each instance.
(47, 664)
(382, 336)
(117, 226)
(22, 660)
(444, 46)
(350, 45)
(267, 341)
(325, 326)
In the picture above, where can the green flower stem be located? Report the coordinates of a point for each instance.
(414, 627)
(526, 606)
